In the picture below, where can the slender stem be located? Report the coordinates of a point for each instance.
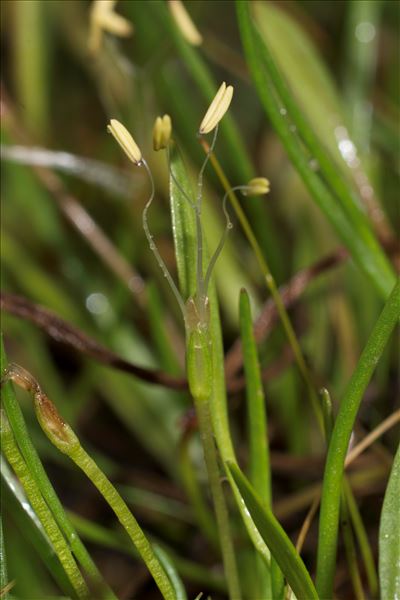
(61, 548)
(221, 243)
(193, 489)
(271, 284)
(201, 383)
(154, 248)
(127, 520)
(221, 511)
(333, 474)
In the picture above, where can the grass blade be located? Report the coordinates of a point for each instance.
(340, 209)
(333, 476)
(14, 500)
(259, 465)
(35, 466)
(389, 535)
(275, 537)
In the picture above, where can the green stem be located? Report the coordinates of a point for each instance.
(204, 517)
(127, 520)
(61, 548)
(272, 287)
(199, 366)
(221, 511)
(333, 475)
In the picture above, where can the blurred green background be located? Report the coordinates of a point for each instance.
(341, 59)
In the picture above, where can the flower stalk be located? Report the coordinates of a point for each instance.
(195, 309)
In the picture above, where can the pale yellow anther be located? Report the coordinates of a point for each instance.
(257, 187)
(103, 18)
(185, 23)
(162, 132)
(125, 140)
(217, 109)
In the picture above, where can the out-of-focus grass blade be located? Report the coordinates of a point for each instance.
(31, 56)
(275, 537)
(168, 359)
(344, 424)
(14, 500)
(171, 571)
(304, 70)
(389, 535)
(97, 534)
(339, 207)
(95, 172)
(3, 563)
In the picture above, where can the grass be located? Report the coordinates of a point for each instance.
(216, 428)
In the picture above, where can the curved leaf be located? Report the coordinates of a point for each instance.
(275, 537)
(389, 535)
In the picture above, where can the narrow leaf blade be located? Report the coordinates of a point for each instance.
(389, 535)
(275, 537)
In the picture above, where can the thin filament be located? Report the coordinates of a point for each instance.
(154, 248)
(224, 235)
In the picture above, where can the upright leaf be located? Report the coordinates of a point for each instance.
(275, 537)
(389, 535)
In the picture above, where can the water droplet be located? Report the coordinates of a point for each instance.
(365, 32)
(152, 246)
(97, 303)
(313, 164)
(230, 225)
(283, 111)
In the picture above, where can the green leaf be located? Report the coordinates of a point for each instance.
(344, 424)
(183, 224)
(275, 537)
(330, 192)
(389, 535)
(16, 504)
(28, 451)
(305, 72)
(259, 467)
(186, 256)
